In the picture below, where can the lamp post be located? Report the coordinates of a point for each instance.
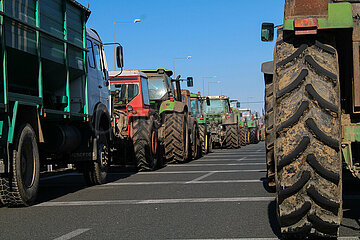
(218, 82)
(187, 58)
(203, 78)
(134, 21)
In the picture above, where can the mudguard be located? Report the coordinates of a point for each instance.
(172, 106)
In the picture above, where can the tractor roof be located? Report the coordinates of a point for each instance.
(159, 71)
(218, 97)
(127, 73)
(194, 95)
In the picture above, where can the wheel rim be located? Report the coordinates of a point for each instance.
(154, 142)
(27, 163)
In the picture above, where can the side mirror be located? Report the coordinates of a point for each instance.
(267, 32)
(208, 101)
(237, 104)
(190, 82)
(119, 57)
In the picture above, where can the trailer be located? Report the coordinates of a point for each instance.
(54, 96)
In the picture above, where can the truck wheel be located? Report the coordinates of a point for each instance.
(231, 139)
(269, 133)
(176, 137)
(145, 144)
(203, 138)
(25, 170)
(95, 172)
(308, 137)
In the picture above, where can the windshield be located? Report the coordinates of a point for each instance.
(246, 115)
(157, 88)
(194, 107)
(216, 106)
(127, 92)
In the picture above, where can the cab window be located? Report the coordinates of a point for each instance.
(97, 56)
(145, 91)
(90, 53)
(127, 92)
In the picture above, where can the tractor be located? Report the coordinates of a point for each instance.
(165, 99)
(222, 122)
(313, 112)
(193, 126)
(134, 122)
(252, 126)
(196, 109)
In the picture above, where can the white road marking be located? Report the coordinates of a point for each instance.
(60, 176)
(179, 182)
(216, 164)
(155, 201)
(191, 172)
(73, 234)
(202, 177)
(340, 238)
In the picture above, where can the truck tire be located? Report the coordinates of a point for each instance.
(143, 137)
(95, 172)
(308, 137)
(203, 138)
(176, 140)
(25, 169)
(231, 137)
(269, 132)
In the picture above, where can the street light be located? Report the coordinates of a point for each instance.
(218, 82)
(134, 21)
(203, 78)
(187, 58)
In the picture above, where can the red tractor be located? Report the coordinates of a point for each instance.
(134, 122)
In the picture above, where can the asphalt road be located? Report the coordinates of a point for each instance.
(220, 196)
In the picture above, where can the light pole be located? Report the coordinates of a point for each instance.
(187, 58)
(218, 82)
(134, 21)
(203, 78)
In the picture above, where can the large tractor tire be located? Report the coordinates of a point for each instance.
(23, 185)
(308, 134)
(176, 140)
(145, 144)
(209, 143)
(203, 139)
(253, 136)
(231, 136)
(95, 172)
(196, 145)
(269, 131)
(243, 136)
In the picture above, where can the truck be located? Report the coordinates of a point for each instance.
(315, 112)
(54, 96)
(197, 110)
(134, 123)
(194, 127)
(222, 122)
(165, 99)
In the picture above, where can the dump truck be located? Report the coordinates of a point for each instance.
(194, 126)
(197, 110)
(222, 122)
(315, 112)
(134, 123)
(165, 99)
(54, 96)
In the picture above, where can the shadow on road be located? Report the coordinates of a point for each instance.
(53, 188)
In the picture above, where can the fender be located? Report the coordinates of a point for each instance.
(101, 117)
(172, 106)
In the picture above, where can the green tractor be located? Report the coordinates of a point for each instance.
(252, 126)
(196, 109)
(222, 122)
(314, 112)
(165, 99)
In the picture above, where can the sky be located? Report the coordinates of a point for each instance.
(222, 37)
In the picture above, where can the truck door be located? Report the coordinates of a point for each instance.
(101, 75)
(94, 96)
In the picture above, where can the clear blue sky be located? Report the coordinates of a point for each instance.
(223, 38)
